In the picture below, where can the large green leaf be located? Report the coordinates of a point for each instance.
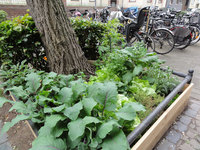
(46, 81)
(117, 141)
(137, 70)
(127, 77)
(59, 108)
(105, 94)
(3, 100)
(73, 112)
(33, 82)
(52, 120)
(78, 88)
(76, 129)
(106, 128)
(89, 104)
(51, 75)
(20, 107)
(8, 125)
(65, 96)
(89, 119)
(127, 113)
(48, 143)
(19, 92)
(42, 99)
(137, 106)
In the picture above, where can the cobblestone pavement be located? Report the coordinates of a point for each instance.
(4, 144)
(184, 134)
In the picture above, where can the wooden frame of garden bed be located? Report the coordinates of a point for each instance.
(157, 130)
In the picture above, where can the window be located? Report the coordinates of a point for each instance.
(160, 1)
(132, 0)
(149, 1)
(172, 1)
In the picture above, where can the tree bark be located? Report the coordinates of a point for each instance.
(64, 54)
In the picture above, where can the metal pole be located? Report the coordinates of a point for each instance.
(135, 133)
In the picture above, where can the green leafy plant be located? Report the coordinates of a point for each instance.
(72, 114)
(3, 16)
(20, 40)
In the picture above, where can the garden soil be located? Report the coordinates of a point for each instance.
(19, 136)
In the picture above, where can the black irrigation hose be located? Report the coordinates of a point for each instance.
(148, 120)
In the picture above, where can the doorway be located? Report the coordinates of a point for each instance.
(113, 3)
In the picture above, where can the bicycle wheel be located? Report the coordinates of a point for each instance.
(148, 41)
(195, 34)
(133, 39)
(182, 44)
(164, 41)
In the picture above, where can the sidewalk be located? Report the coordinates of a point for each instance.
(4, 144)
(184, 134)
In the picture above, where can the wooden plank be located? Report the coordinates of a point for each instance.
(157, 130)
(27, 123)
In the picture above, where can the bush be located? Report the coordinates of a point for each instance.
(20, 40)
(90, 34)
(3, 15)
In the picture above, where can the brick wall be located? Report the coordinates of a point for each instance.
(14, 10)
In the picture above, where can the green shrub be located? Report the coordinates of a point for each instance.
(20, 40)
(3, 15)
(90, 34)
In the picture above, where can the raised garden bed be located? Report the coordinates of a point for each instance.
(158, 128)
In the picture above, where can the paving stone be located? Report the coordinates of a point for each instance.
(5, 146)
(194, 107)
(198, 129)
(195, 100)
(191, 133)
(197, 122)
(180, 126)
(185, 119)
(198, 138)
(4, 137)
(190, 112)
(165, 145)
(173, 136)
(192, 125)
(195, 144)
(186, 146)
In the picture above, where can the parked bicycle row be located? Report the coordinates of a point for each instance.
(161, 30)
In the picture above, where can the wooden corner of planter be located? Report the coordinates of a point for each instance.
(157, 130)
(26, 122)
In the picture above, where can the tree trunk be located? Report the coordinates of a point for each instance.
(64, 54)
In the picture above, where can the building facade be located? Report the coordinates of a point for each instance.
(194, 4)
(121, 3)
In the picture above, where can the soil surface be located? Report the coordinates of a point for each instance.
(20, 137)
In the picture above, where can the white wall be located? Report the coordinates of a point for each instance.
(193, 3)
(90, 3)
(13, 2)
(124, 3)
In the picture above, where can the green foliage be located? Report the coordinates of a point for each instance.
(112, 39)
(124, 65)
(74, 114)
(90, 34)
(20, 40)
(3, 16)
